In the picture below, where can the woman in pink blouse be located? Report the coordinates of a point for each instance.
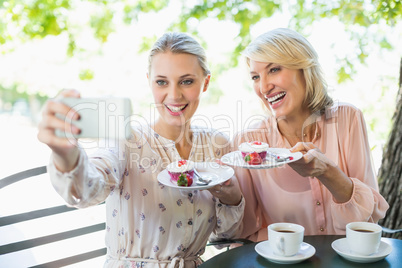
(334, 182)
(149, 224)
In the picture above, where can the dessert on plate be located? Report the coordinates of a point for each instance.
(181, 172)
(253, 152)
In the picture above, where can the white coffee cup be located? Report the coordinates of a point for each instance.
(285, 239)
(363, 238)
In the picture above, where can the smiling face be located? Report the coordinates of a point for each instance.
(282, 90)
(177, 81)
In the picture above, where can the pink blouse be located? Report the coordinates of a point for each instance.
(282, 195)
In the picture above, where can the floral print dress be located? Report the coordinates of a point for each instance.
(149, 224)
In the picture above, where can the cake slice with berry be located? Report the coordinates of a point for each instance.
(181, 172)
(253, 152)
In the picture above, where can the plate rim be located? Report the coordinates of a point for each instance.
(285, 260)
(297, 156)
(360, 258)
(198, 187)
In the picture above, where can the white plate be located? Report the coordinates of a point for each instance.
(342, 248)
(306, 251)
(216, 172)
(236, 159)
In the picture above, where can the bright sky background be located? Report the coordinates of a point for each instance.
(42, 65)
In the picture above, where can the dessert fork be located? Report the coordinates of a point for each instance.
(279, 157)
(200, 180)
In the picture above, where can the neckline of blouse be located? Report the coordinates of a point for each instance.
(172, 142)
(317, 133)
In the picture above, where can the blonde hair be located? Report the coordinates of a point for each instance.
(179, 43)
(291, 50)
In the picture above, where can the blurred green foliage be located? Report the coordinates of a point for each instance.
(86, 74)
(24, 20)
(358, 16)
(101, 23)
(33, 19)
(9, 95)
(244, 13)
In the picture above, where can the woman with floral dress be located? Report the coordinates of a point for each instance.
(149, 224)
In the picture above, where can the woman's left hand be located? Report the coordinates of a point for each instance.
(313, 163)
(229, 192)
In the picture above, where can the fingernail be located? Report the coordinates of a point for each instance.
(76, 130)
(77, 93)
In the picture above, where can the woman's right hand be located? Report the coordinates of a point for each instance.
(65, 150)
(228, 193)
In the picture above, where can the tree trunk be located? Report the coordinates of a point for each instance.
(390, 173)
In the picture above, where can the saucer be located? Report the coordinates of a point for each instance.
(341, 247)
(306, 251)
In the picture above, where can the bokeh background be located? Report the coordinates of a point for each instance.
(100, 48)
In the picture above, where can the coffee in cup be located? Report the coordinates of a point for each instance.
(285, 239)
(363, 238)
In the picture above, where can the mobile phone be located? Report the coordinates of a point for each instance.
(107, 118)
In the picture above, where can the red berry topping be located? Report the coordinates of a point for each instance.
(256, 143)
(182, 162)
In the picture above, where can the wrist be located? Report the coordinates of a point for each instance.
(329, 173)
(234, 202)
(66, 163)
(340, 185)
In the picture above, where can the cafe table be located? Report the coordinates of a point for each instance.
(325, 256)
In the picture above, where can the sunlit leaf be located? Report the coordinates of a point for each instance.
(343, 75)
(86, 74)
(71, 47)
(24, 20)
(146, 43)
(385, 44)
(103, 25)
